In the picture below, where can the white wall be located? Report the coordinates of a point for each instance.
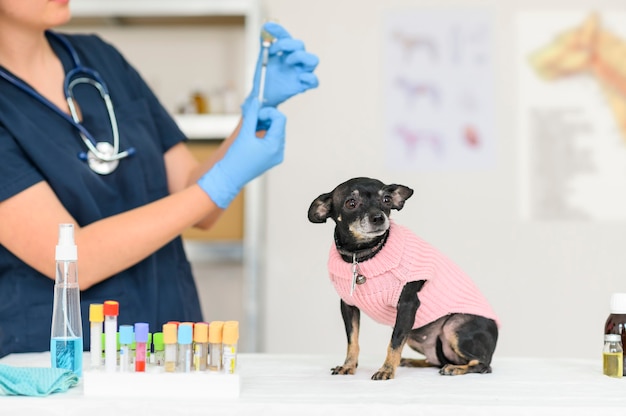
(549, 282)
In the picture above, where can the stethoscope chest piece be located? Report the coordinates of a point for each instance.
(97, 164)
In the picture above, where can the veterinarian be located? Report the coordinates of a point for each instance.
(119, 170)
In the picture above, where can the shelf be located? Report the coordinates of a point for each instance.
(207, 126)
(155, 8)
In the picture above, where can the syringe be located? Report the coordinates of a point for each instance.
(268, 39)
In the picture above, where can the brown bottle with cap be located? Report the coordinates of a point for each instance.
(616, 322)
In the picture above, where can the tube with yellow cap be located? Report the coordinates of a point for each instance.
(170, 340)
(215, 345)
(200, 346)
(96, 318)
(230, 336)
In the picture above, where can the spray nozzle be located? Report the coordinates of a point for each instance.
(66, 248)
(66, 234)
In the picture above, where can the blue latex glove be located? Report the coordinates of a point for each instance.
(248, 156)
(289, 68)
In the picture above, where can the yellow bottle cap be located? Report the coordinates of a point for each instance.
(201, 332)
(96, 312)
(215, 332)
(230, 332)
(170, 335)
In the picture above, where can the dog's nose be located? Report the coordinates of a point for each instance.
(377, 218)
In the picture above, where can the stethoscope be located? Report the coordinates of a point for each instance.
(102, 157)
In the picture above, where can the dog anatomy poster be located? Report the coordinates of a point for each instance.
(438, 89)
(572, 115)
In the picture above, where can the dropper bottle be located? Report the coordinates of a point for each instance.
(66, 335)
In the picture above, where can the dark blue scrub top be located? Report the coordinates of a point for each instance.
(36, 144)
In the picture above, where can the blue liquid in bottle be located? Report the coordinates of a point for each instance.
(67, 353)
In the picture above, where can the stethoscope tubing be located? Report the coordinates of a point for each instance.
(88, 76)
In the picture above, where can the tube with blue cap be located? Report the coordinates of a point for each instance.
(126, 339)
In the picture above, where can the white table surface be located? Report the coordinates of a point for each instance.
(303, 385)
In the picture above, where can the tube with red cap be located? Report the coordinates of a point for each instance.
(111, 311)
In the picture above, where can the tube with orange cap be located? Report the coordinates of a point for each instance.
(96, 318)
(200, 346)
(215, 345)
(170, 340)
(230, 336)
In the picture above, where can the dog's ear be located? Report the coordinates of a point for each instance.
(399, 194)
(321, 208)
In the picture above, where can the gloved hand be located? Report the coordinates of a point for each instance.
(248, 156)
(289, 68)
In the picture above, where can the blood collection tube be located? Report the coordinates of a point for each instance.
(102, 343)
(200, 346)
(170, 341)
(215, 345)
(148, 347)
(133, 347)
(111, 310)
(96, 318)
(141, 340)
(185, 338)
(158, 355)
(126, 338)
(230, 336)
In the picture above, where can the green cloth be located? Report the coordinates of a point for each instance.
(35, 381)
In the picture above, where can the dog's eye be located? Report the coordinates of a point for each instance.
(350, 203)
(387, 199)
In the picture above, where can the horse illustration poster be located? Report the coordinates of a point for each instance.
(572, 115)
(438, 86)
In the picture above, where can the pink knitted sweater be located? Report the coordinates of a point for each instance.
(406, 258)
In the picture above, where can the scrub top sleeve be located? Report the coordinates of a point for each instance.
(17, 173)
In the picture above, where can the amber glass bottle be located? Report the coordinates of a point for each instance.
(616, 322)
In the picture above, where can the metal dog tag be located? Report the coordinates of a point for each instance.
(357, 277)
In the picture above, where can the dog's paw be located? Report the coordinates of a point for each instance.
(453, 370)
(473, 366)
(383, 374)
(342, 369)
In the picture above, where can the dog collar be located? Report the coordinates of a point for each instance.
(361, 255)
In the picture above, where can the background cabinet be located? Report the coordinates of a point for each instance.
(229, 228)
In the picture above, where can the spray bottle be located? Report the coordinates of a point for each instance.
(66, 337)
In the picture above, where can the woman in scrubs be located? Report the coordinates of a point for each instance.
(128, 221)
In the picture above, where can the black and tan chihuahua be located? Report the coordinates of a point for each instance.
(398, 279)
